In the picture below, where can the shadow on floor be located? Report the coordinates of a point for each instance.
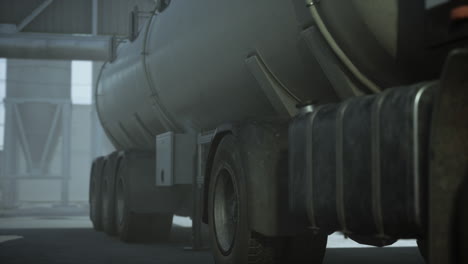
(73, 246)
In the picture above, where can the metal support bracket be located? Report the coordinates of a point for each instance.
(35, 13)
(204, 141)
(279, 96)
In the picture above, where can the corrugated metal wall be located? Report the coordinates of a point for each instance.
(64, 16)
(73, 16)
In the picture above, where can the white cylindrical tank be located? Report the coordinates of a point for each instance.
(187, 69)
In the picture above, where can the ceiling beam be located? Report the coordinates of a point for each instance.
(36, 12)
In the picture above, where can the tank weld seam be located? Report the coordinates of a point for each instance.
(98, 113)
(113, 139)
(145, 129)
(159, 107)
(127, 135)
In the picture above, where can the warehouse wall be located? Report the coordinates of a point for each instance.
(33, 131)
(87, 138)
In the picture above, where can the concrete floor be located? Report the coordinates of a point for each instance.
(70, 239)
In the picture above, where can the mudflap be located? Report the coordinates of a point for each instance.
(448, 161)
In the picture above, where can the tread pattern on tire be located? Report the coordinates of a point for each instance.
(109, 197)
(137, 227)
(95, 205)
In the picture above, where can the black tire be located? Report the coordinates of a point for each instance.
(462, 224)
(133, 227)
(108, 195)
(95, 195)
(232, 241)
(460, 229)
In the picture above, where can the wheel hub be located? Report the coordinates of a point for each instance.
(226, 211)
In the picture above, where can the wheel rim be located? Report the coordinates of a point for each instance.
(225, 211)
(120, 204)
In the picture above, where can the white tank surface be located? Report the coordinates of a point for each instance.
(186, 70)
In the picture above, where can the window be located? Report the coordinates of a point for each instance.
(81, 82)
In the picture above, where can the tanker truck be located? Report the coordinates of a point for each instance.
(278, 123)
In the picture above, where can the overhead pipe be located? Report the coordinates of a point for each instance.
(56, 47)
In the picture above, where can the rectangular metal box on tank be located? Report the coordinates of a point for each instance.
(175, 158)
(360, 166)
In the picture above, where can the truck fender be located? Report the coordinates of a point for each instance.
(219, 133)
(264, 148)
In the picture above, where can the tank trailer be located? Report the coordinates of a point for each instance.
(278, 123)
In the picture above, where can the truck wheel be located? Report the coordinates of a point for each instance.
(134, 227)
(231, 238)
(95, 195)
(461, 228)
(422, 246)
(108, 195)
